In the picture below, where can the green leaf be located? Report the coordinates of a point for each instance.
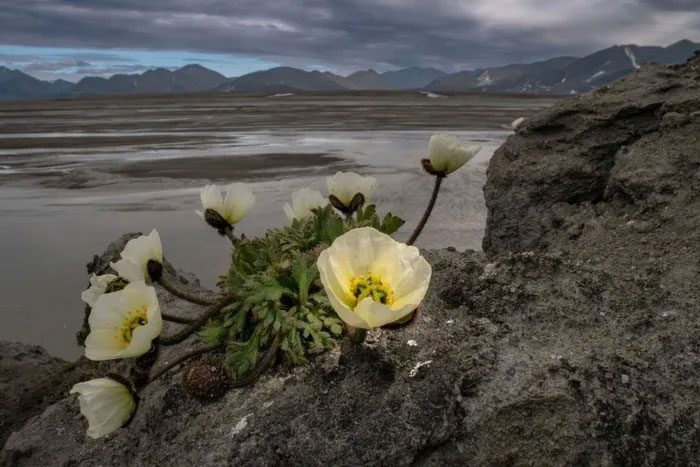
(391, 224)
(366, 214)
(213, 332)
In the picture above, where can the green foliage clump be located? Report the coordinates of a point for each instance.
(279, 293)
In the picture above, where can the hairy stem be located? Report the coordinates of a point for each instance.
(198, 323)
(190, 297)
(176, 319)
(265, 362)
(182, 358)
(428, 210)
(358, 336)
(228, 232)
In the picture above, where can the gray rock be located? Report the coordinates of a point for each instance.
(521, 350)
(30, 379)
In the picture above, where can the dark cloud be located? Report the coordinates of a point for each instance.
(349, 34)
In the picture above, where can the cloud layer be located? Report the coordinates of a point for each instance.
(348, 34)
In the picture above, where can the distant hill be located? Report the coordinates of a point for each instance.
(564, 75)
(190, 78)
(369, 80)
(412, 77)
(281, 79)
(15, 84)
(560, 75)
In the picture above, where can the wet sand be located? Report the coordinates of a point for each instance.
(76, 174)
(219, 168)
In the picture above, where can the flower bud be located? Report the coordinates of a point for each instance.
(155, 269)
(357, 201)
(428, 167)
(229, 210)
(347, 191)
(206, 379)
(216, 220)
(107, 403)
(447, 154)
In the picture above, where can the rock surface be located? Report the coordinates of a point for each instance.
(30, 379)
(574, 339)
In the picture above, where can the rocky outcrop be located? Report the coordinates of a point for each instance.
(30, 379)
(573, 340)
(630, 149)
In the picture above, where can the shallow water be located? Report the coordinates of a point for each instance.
(63, 199)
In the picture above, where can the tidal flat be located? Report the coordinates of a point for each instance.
(75, 174)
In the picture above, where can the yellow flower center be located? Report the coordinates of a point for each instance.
(373, 287)
(135, 319)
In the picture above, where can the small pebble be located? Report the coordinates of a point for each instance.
(412, 343)
(625, 379)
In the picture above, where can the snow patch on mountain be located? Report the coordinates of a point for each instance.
(484, 79)
(595, 75)
(631, 56)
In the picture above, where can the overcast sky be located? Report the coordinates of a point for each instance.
(72, 38)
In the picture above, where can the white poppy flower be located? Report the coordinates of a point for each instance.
(303, 201)
(346, 185)
(516, 123)
(106, 403)
(239, 199)
(123, 324)
(371, 279)
(447, 154)
(136, 255)
(98, 286)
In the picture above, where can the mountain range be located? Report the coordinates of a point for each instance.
(559, 75)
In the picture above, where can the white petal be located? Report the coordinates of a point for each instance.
(91, 294)
(129, 270)
(109, 311)
(102, 281)
(239, 200)
(211, 198)
(303, 201)
(106, 403)
(289, 212)
(376, 314)
(347, 314)
(142, 339)
(103, 344)
(345, 185)
(141, 249)
(336, 274)
(447, 154)
(98, 286)
(516, 123)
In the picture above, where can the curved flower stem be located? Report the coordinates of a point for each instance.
(176, 319)
(198, 323)
(182, 358)
(428, 210)
(265, 362)
(192, 298)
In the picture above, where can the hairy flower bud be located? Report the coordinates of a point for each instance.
(428, 167)
(206, 379)
(216, 220)
(155, 269)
